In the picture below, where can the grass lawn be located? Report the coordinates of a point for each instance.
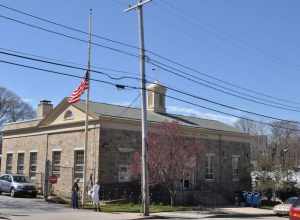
(131, 207)
(267, 207)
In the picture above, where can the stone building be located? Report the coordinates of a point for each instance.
(57, 135)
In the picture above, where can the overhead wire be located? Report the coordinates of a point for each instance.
(150, 52)
(130, 105)
(127, 53)
(237, 42)
(68, 62)
(139, 88)
(138, 79)
(182, 74)
(68, 36)
(69, 66)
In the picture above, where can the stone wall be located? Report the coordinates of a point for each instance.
(67, 143)
(111, 147)
(114, 141)
(36, 143)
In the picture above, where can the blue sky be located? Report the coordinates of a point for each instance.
(254, 44)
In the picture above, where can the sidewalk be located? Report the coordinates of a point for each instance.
(247, 211)
(242, 212)
(78, 215)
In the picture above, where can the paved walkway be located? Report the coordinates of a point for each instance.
(77, 215)
(37, 209)
(247, 211)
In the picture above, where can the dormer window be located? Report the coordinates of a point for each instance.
(68, 115)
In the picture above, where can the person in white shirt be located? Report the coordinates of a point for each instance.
(96, 196)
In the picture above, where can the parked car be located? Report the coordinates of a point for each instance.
(17, 185)
(284, 208)
(295, 210)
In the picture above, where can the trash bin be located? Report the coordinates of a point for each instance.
(249, 199)
(256, 199)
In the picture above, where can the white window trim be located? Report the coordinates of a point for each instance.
(20, 151)
(56, 149)
(128, 173)
(153, 98)
(74, 150)
(214, 178)
(235, 178)
(33, 177)
(125, 150)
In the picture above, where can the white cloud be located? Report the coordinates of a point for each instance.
(28, 100)
(194, 112)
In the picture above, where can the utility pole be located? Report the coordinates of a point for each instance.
(145, 185)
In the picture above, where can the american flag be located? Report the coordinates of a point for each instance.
(84, 84)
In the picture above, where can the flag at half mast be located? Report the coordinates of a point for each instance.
(76, 94)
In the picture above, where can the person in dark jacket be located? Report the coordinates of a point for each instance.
(75, 191)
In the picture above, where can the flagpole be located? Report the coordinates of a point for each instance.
(86, 112)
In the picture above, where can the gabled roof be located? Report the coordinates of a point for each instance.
(117, 111)
(97, 110)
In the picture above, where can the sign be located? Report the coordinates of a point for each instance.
(52, 179)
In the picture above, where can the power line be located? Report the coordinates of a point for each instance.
(68, 36)
(136, 78)
(68, 62)
(197, 82)
(69, 66)
(149, 51)
(138, 88)
(220, 86)
(68, 27)
(130, 105)
(183, 75)
(239, 43)
(223, 81)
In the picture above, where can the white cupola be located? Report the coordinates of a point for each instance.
(156, 99)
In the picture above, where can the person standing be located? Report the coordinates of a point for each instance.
(96, 196)
(75, 191)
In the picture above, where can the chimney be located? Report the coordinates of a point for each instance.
(156, 99)
(44, 108)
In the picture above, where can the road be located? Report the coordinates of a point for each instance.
(36, 209)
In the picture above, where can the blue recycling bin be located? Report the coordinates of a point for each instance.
(249, 199)
(256, 199)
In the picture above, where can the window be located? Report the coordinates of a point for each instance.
(78, 164)
(9, 162)
(125, 157)
(161, 100)
(20, 163)
(150, 99)
(209, 167)
(32, 164)
(56, 155)
(185, 184)
(6, 178)
(235, 167)
(68, 115)
(124, 173)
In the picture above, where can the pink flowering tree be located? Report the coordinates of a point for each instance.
(172, 157)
